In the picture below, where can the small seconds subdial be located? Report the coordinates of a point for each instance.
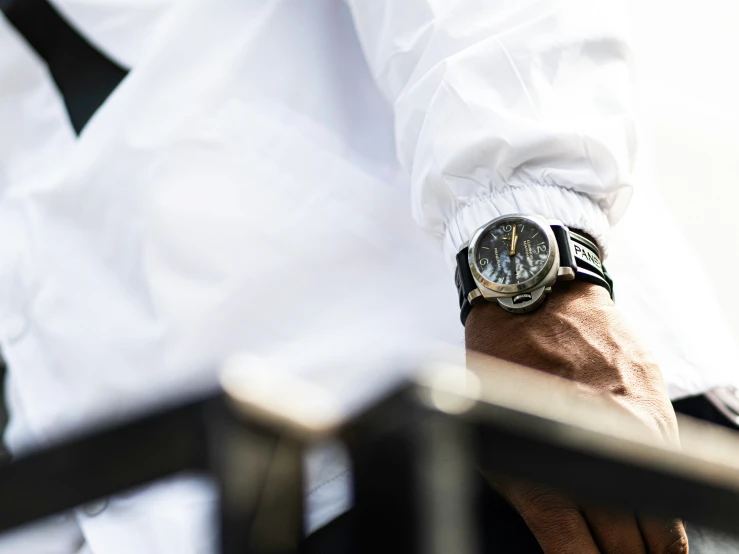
(511, 253)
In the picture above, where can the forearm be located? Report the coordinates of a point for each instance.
(579, 334)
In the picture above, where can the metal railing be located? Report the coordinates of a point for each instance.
(415, 455)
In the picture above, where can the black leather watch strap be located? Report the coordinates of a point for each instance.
(566, 258)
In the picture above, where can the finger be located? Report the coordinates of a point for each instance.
(664, 537)
(615, 533)
(555, 521)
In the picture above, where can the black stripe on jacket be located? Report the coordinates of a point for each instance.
(84, 75)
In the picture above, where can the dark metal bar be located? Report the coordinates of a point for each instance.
(541, 430)
(413, 480)
(447, 476)
(415, 456)
(259, 471)
(624, 481)
(410, 455)
(385, 453)
(100, 464)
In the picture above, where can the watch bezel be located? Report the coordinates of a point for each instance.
(528, 285)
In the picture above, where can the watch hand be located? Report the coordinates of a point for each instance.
(514, 242)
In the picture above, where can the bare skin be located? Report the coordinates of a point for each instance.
(579, 334)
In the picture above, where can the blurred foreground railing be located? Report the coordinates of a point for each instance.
(415, 455)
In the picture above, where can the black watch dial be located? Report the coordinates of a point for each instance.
(512, 252)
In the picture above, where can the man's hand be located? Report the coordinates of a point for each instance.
(579, 334)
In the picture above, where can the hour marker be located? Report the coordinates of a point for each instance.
(536, 235)
(485, 247)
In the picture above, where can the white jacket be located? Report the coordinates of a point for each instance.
(246, 188)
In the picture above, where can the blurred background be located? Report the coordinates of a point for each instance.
(689, 93)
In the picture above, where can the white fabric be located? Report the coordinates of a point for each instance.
(240, 191)
(506, 106)
(125, 31)
(57, 535)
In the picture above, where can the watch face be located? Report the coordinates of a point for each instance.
(512, 252)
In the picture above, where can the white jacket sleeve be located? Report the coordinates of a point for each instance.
(506, 106)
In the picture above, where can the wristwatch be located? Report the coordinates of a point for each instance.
(515, 259)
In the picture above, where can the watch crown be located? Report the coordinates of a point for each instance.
(522, 298)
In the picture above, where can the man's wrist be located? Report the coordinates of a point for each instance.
(570, 310)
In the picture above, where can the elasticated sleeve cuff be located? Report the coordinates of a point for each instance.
(576, 210)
